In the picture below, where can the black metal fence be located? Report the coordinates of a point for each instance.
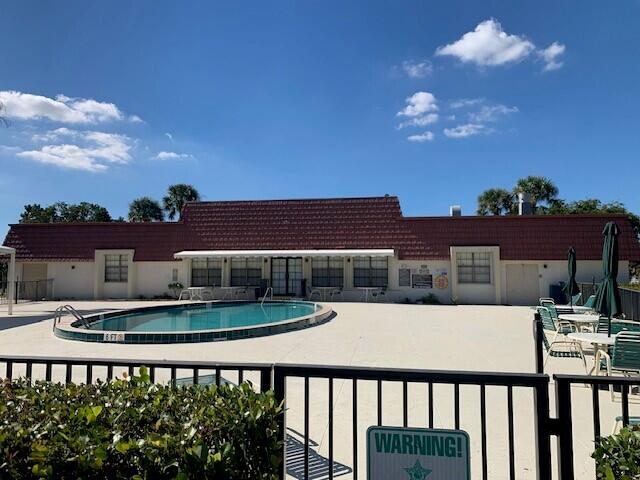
(630, 299)
(34, 290)
(301, 462)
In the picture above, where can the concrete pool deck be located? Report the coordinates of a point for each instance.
(472, 338)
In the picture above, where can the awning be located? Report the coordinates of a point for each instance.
(376, 252)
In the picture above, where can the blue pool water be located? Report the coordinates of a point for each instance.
(211, 317)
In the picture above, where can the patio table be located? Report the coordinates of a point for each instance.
(324, 291)
(232, 292)
(600, 342)
(197, 293)
(580, 319)
(366, 291)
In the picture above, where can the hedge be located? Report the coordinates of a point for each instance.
(618, 456)
(132, 429)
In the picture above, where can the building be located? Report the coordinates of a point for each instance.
(295, 245)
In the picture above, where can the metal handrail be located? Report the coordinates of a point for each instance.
(267, 291)
(68, 309)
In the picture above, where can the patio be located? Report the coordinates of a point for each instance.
(473, 338)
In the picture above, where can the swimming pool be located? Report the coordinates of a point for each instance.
(195, 322)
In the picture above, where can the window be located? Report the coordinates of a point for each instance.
(246, 272)
(474, 267)
(327, 272)
(116, 268)
(370, 272)
(206, 272)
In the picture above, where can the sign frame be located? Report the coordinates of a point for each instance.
(421, 431)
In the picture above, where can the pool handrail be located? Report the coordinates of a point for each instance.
(268, 291)
(69, 309)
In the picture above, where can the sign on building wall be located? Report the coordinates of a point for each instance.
(421, 280)
(395, 453)
(422, 277)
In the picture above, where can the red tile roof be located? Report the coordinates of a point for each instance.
(77, 241)
(373, 222)
(533, 237)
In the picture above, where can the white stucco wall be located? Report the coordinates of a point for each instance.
(73, 280)
(153, 278)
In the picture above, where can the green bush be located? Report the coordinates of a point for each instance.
(618, 456)
(132, 429)
(431, 299)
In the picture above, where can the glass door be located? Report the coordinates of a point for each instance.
(279, 276)
(286, 275)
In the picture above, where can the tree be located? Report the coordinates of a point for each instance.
(495, 201)
(593, 206)
(177, 195)
(36, 213)
(540, 189)
(145, 209)
(82, 212)
(62, 212)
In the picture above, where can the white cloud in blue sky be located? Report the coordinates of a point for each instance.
(415, 69)
(488, 45)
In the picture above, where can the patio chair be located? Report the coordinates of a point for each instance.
(547, 300)
(376, 295)
(337, 291)
(624, 359)
(591, 301)
(616, 326)
(561, 348)
(549, 322)
(314, 291)
(576, 298)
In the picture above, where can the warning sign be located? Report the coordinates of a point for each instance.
(395, 453)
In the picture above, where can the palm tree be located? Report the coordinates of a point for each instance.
(177, 195)
(145, 209)
(540, 189)
(495, 201)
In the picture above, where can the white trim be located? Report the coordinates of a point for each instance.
(379, 252)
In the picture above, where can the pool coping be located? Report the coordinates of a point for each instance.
(73, 331)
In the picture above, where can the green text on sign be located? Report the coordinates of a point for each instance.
(395, 453)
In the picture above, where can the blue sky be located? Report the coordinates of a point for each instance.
(109, 101)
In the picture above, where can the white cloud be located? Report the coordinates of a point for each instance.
(91, 151)
(135, 119)
(422, 137)
(421, 121)
(488, 45)
(169, 136)
(417, 69)
(466, 102)
(467, 130)
(550, 56)
(418, 104)
(491, 113)
(63, 109)
(171, 156)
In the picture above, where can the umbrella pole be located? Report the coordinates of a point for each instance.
(609, 327)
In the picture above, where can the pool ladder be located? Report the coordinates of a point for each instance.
(61, 310)
(269, 292)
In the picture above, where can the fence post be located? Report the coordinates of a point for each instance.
(280, 392)
(565, 429)
(543, 433)
(538, 335)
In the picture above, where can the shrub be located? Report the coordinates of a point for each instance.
(431, 299)
(137, 430)
(618, 456)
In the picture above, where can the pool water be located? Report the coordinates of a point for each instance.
(210, 317)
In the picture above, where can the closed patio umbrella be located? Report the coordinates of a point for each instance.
(571, 288)
(608, 301)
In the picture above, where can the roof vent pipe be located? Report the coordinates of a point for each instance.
(524, 204)
(455, 211)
